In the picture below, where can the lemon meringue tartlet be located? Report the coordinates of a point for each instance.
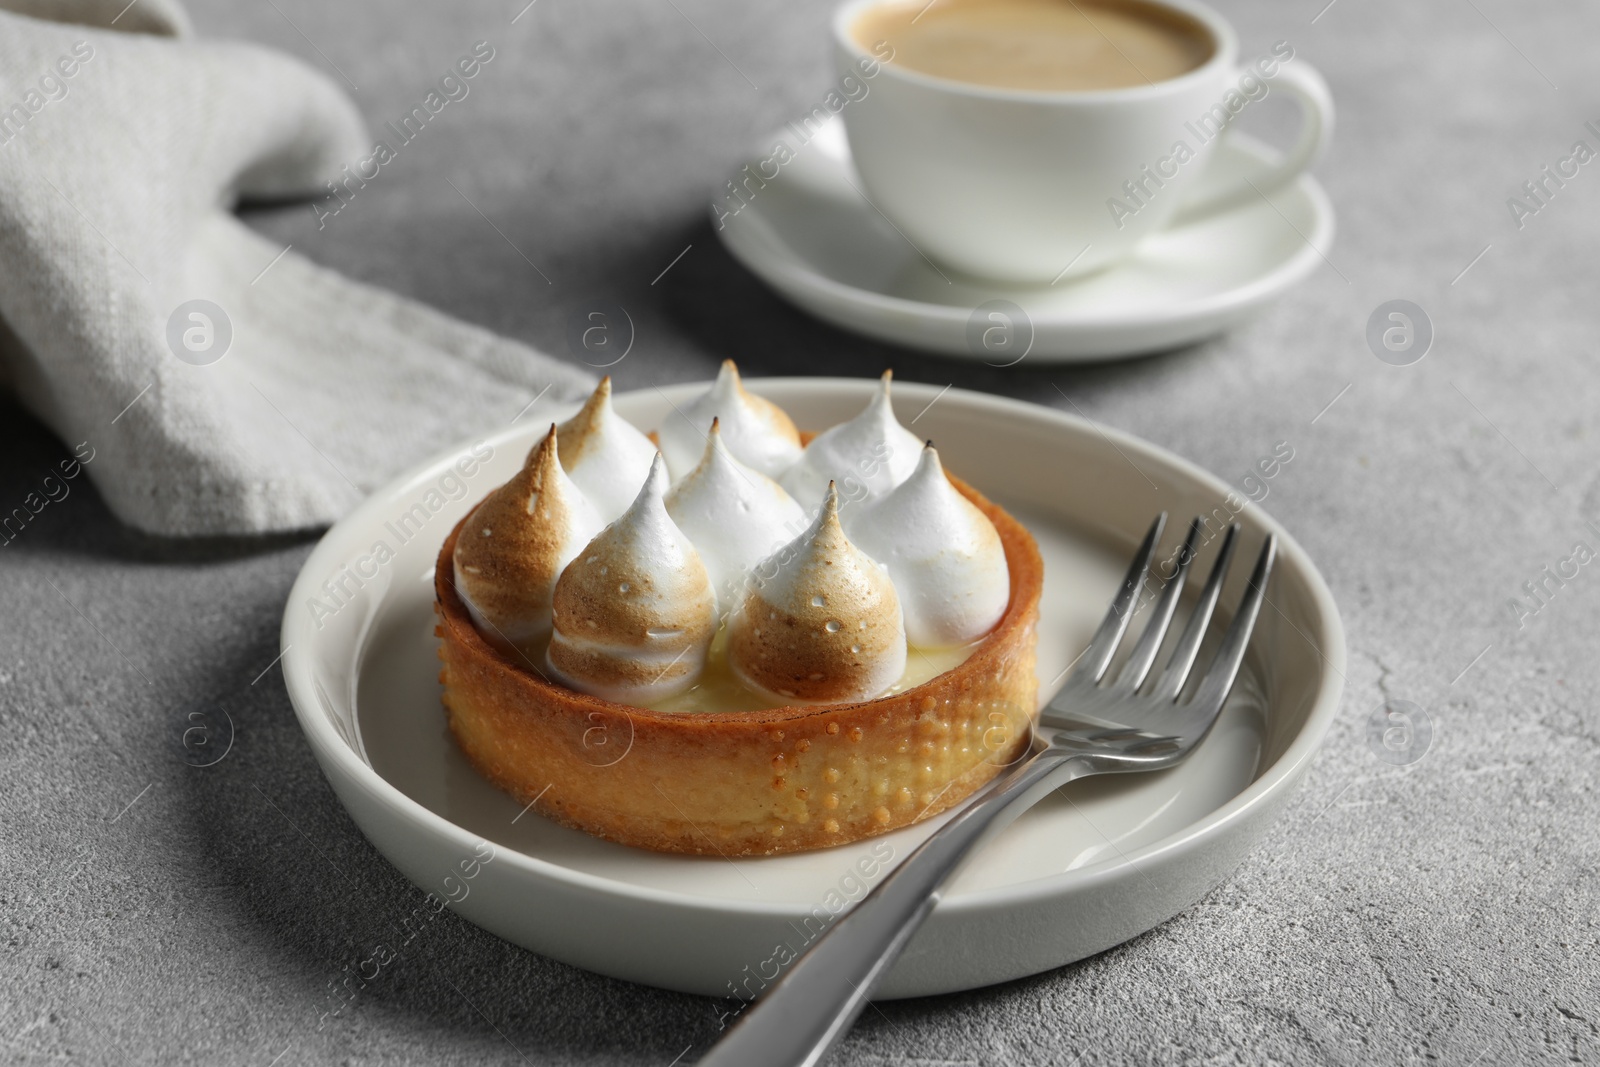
(777, 641)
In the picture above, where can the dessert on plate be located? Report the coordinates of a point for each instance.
(732, 638)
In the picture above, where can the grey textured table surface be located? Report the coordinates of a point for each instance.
(1442, 911)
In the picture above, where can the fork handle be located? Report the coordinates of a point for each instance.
(810, 1009)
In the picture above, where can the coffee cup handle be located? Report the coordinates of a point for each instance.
(1306, 85)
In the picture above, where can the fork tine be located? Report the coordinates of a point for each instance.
(1094, 661)
(1144, 653)
(1225, 667)
(1172, 679)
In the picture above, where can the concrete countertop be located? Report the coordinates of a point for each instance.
(1442, 910)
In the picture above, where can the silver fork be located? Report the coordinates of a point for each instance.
(1091, 726)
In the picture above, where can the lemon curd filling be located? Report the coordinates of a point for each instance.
(719, 689)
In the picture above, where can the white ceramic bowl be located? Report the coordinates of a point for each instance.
(1094, 865)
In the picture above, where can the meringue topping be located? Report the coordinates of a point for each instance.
(758, 432)
(733, 515)
(819, 621)
(866, 457)
(629, 611)
(606, 456)
(943, 554)
(515, 545)
(634, 613)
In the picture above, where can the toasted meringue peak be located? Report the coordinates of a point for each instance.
(515, 544)
(734, 516)
(819, 621)
(758, 432)
(867, 456)
(946, 560)
(634, 613)
(606, 456)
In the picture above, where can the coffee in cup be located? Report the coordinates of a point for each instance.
(1042, 45)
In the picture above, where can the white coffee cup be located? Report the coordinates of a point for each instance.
(1023, 185)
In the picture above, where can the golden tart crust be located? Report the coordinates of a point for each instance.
(752, 783)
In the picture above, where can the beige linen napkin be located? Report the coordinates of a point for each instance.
(124, 144)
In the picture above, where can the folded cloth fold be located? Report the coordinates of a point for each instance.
(225, 385)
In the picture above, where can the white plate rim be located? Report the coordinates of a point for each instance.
(296, 639)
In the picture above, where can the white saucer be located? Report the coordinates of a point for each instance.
(1092, 866)
(812, 236)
